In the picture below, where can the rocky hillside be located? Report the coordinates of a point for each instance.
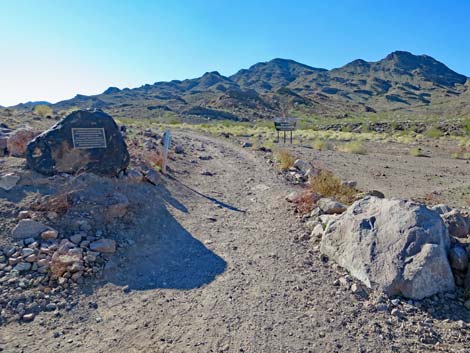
(401, 83)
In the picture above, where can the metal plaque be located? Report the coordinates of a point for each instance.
(84, 138)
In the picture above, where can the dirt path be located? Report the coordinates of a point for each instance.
(217, 269)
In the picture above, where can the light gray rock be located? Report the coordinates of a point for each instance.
(302, 165)
(27, 228)
(397, 246)
(326, 219)
(22, 267)
(329, 206)
(8, 181)
(317, 232)
(457, 224)
(458, 258)
(104, 245)
(292, 196)
(349, 183)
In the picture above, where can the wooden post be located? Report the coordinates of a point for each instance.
(166, 146)
(291, 137)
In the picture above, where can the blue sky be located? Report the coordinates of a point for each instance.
(52, 50)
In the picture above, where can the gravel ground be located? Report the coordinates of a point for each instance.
(219, 267)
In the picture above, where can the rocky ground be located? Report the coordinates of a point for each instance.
(213, 259)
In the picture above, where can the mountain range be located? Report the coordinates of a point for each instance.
(401, 83)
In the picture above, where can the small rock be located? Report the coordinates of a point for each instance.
(456, 223)
(206, 173)
(24, 214)
(330, 206)
(349, 183)
(8, 181)
(18, 140)
(179, 149)
(292, 196)
(27, 228)
(26, 252)
(302, 165)
(49, 234)
(153, 176)
(381, 307)
(22, 267)
(28, 317)
(134, 175)
(76, 238)
(458, 258)
(104, 245)
(396, 312)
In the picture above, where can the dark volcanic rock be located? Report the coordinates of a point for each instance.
(82, 141)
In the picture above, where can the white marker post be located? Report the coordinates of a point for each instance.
(166, 146)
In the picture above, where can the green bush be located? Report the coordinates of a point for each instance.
(433, 133)
(43, 110)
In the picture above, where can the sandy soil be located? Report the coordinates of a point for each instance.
(218, 268)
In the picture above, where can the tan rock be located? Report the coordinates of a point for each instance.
(18, 140)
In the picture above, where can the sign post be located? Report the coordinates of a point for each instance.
(166, 146)
(285, 124)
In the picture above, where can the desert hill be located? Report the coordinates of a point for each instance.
(401, 83)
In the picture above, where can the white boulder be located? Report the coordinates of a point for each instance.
(396, 246)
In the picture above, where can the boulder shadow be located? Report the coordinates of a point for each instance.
(163, 253)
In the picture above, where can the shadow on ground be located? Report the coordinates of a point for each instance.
(164, 254)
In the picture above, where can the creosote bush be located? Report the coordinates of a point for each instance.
(285, 159)
(433, 133)
(43, 110)
(327, 185)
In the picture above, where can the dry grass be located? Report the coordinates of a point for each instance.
(59, 204)
(321, 145)
(354, 147)
(285, 159)
(326, 184)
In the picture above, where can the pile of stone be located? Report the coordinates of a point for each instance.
(44, 259)
(398, 247)
(300, 172)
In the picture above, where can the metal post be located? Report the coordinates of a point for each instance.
(284, 136)
(291, 137)
(166, 146)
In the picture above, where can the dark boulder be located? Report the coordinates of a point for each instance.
(83, 141)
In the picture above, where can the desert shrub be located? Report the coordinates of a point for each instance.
(285, 159)
(59, 203)
(354, 147)
(326, 184)
(43, 110)
(466, 127)
(433, 133)
(417, 152)
(321, 145)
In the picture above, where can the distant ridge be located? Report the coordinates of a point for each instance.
(402, 83)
